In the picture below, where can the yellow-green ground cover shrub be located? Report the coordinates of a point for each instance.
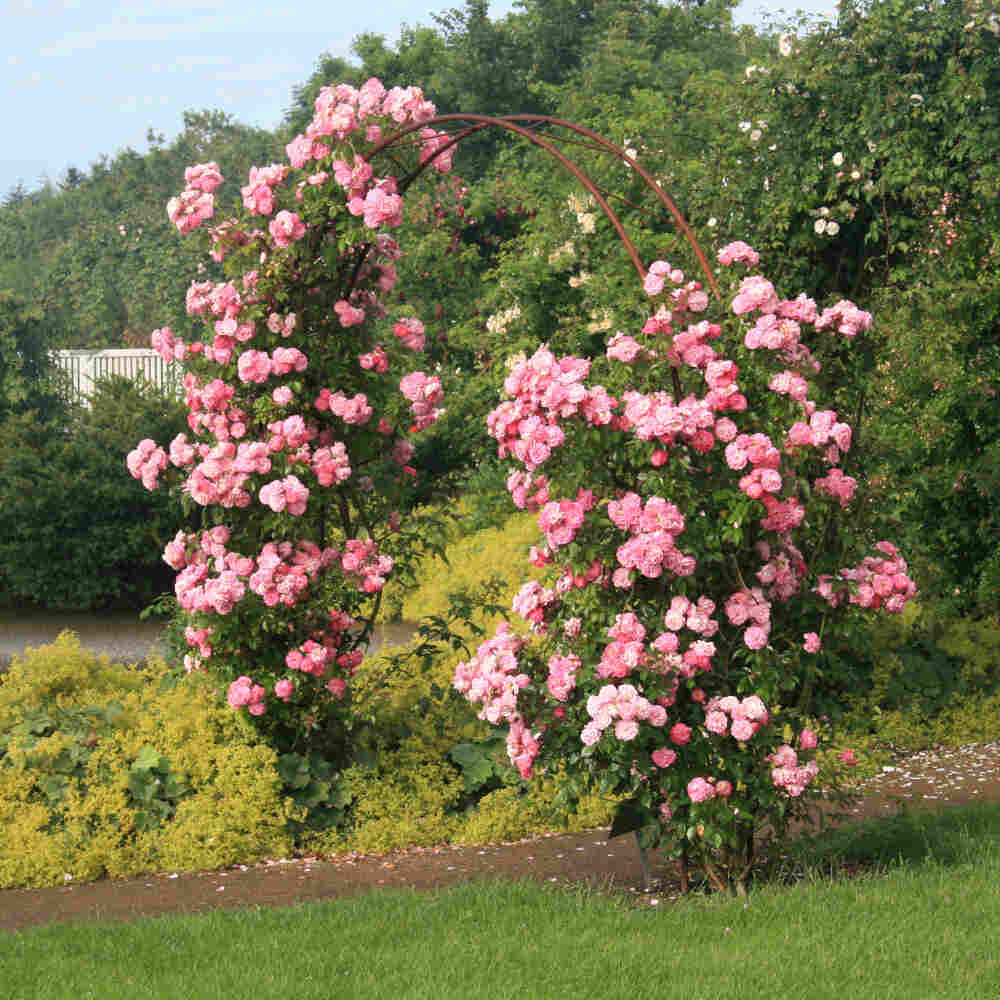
(108, 770)
(933, 682)
(471, 559)
(416, 786)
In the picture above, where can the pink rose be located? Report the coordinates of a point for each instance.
(742, 730)
(699, 790)
(716, 722)
(680, 734)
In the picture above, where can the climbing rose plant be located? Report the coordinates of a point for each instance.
(303, 392)
(696, 521)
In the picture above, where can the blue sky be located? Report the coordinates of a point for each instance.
(86, 77)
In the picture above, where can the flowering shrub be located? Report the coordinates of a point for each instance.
(695, 566)
(302, 392)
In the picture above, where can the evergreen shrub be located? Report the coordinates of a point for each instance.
(78, 532)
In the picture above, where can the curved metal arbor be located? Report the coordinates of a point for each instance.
(522, 125)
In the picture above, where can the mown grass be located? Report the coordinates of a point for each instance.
(920, 922)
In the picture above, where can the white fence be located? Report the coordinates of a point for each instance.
(85, 367)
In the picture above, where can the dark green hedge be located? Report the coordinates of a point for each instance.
(78, 532)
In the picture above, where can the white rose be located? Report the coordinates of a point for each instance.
(832, 228)
(820, 226)
(838, 159)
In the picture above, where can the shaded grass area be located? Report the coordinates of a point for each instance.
(918, 919)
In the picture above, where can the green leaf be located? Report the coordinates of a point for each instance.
(149, 759)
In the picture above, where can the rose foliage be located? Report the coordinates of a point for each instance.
(696, 561)
(303, 390)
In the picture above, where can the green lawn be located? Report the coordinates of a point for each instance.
(923, 922)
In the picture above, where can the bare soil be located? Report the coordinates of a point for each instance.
(932, 779)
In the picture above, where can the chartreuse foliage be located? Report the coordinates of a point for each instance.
(467, 561)
(106, 770)
(426, 769)
(929, 682)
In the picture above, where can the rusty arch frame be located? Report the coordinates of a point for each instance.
(521, 125)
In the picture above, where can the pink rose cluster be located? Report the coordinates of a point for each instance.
(835, 484)
(285, 570)
(361, 561)
(739, 719)
(353, 410)
(696, 617)
(703, 789)
(623, 706)
(493, 677)
(788, 775)
(169, 347)
(285, 228)
(654, 526)
(751, 606)
(846, 318)
(436, 147)
(822, 431)
(310, 657)
(289, 495)
(331, 465)
(349, 315)
(410, 332)
(562, 675)
(381, 205)
(226, 303)
(560, 520)
(424, 393)
(522, 747)
(739, 252)
(531, 603)
(782, 573)
(243, 693)
(375, 360)
(543, 391)
(190, 209)
(879, 581)
(316, 658)
(341, 110)
(684, 297)
(656, 417)
(198, 637)
(520, 484)
(626, 651)
(258, 192)
(624, 348)
(145, 462)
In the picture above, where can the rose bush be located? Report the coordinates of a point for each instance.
(696, 523)
(303, 391)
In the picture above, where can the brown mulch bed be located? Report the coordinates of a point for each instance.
(930, 779)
